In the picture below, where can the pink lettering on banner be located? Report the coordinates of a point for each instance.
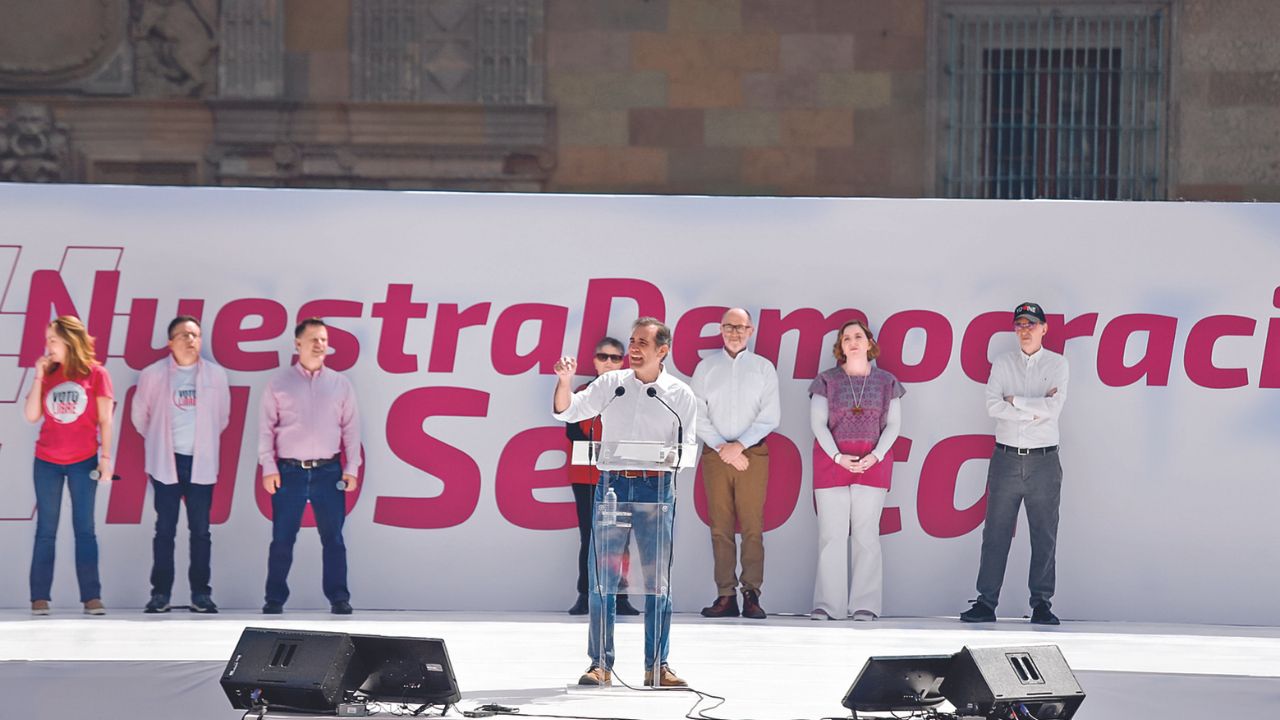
(786, 475)
(345, 346)
(1198, 357)
(449, 324)
(138, 351)
(936, 493)
(553, 321)
(975, 348)
(601, 293)
(396, 312)
(1156, 360)
(230, 332)
(48, 298)
(688, 340)
(1269, 377)
(229, 457)
(1061, 330)
(811, 326)
(455, 468)
(517, 477)
(937, 348)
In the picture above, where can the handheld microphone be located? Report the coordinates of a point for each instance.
(653, 393)
(341, 485)
(96, 474)
(591, 435)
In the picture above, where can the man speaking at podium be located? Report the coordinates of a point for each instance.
(644, 404)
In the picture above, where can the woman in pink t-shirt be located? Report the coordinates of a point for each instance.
(855, 416)
(72, 395)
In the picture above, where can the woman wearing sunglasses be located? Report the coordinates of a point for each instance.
(583, 478)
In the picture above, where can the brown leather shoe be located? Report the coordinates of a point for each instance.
(39, 607)
(724, 606)
(751, 605)
(667, 676)
(94, 607)
(596, 675)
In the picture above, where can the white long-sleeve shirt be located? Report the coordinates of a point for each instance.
(1031, 420)
(634, 415)
(737, 398)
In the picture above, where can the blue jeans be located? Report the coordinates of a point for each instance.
(1011, 481)
(319, 486)
(49, 478)
(168, 499)
(657, 608)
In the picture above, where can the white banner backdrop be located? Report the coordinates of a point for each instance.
(448, 310)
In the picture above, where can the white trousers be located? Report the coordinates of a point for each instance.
(849, 530)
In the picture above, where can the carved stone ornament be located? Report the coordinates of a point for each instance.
(175, 46)
(47, 43)
(33, 147)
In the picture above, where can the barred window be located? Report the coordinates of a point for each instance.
(251, 56)
(1053, 101)
(446, 52)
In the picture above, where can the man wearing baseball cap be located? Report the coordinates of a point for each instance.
(1025, 395)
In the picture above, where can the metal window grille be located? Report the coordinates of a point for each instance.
(446, 51)
(1063, 102)
(251, 52)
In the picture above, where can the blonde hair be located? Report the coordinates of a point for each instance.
(80, 351)
(873, 351)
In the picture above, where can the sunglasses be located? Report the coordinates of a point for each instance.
(608, 357)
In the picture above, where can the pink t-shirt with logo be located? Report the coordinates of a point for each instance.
(69, 433)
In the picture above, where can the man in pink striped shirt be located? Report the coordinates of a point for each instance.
(181, 407)
(309, 450)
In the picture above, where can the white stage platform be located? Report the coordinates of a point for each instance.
(130, 665)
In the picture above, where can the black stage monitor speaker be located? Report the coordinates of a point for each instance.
(288, 669)
(403, 670)
(988, 682)
(899, 684)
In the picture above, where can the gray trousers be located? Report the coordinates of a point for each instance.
(1011, 480)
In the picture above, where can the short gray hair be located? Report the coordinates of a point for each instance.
(663, 334)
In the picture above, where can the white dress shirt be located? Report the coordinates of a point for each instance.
(1031, 420)
(737, 398)
(634, 415)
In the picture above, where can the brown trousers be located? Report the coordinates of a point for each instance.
(736, 497)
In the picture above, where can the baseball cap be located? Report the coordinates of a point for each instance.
(1029, 310)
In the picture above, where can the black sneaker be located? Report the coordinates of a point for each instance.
(342, 607)
(273, 608)
(623, 606)
(1042, 615)
(980, 612)
(581, 607)
(203, 604)
(159, 603)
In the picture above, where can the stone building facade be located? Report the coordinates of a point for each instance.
(1164, 99)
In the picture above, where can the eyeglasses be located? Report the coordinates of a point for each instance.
(186, 336)
(608, 357)
(1024, 325)
(735, 328)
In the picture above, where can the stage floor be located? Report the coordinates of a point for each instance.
(130, 665)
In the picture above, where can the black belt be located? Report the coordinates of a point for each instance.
(1026, 451)
(308, 464)
(639, 473)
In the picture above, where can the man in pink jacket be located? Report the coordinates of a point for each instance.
(180, 408)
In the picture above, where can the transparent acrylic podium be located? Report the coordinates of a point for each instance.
(632, 540)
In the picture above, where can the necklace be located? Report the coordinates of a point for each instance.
(857, 397)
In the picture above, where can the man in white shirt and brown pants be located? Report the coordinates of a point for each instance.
(738, 407)
(1025, 395)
